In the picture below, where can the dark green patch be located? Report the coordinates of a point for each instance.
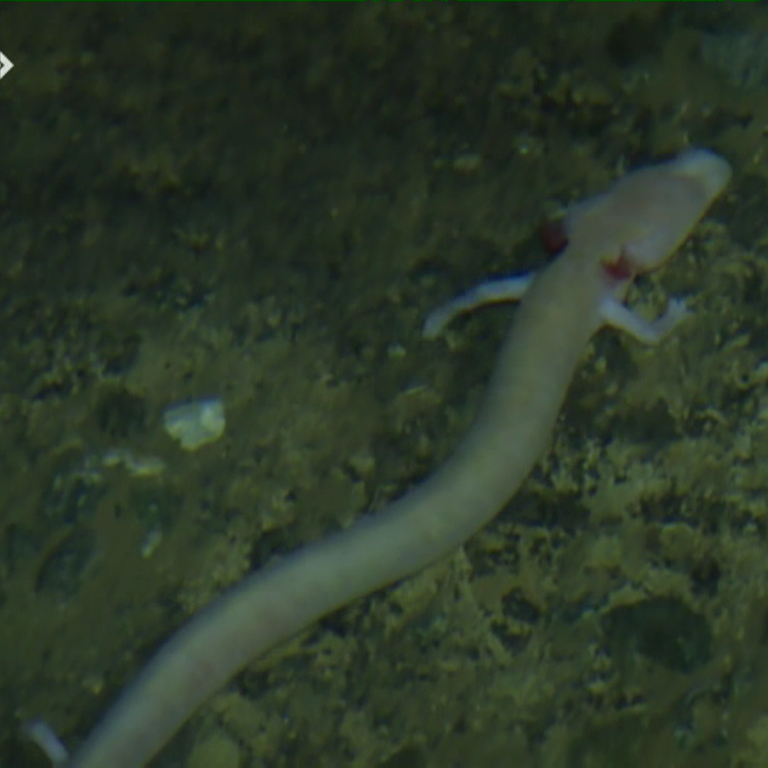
(563, 511)
(588, 398)
(732, 402)
(717, 121)
(120, 413)
(406, 757)
(663, 629)
(740, 57)
(633, 39)
(166, 288)
(705, 17)
(516, 606)
(62, 569)
(674, 507)
(72, 496)
(277, 542)
(705, 577)
(744, 209)
(486, 562)
(18, 545)
(119, 353)
(517, 611)
(512, 638)
(156, 509)
(653, 425)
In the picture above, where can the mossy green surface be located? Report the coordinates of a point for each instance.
(262, 203)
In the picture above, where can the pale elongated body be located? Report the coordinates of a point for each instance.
(632, 228)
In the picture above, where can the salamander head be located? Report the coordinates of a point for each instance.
(654, 210)
(709, 170)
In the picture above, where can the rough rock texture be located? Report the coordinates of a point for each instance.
(262, 203)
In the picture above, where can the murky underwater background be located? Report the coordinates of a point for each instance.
(262, 203)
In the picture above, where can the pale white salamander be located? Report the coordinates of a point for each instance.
(632, 228)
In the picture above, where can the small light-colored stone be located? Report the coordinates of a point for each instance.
(195, 424)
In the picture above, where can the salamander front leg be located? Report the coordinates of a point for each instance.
(490, 292)
(649, 332)
(42, 735)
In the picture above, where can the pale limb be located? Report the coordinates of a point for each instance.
(42, 734)
(650, 332)
(490, 292)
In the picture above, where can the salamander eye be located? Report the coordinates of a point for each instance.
(621, 269)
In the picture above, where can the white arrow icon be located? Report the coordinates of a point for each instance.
(6, 65)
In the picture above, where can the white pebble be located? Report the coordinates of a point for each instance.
(195, 424)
